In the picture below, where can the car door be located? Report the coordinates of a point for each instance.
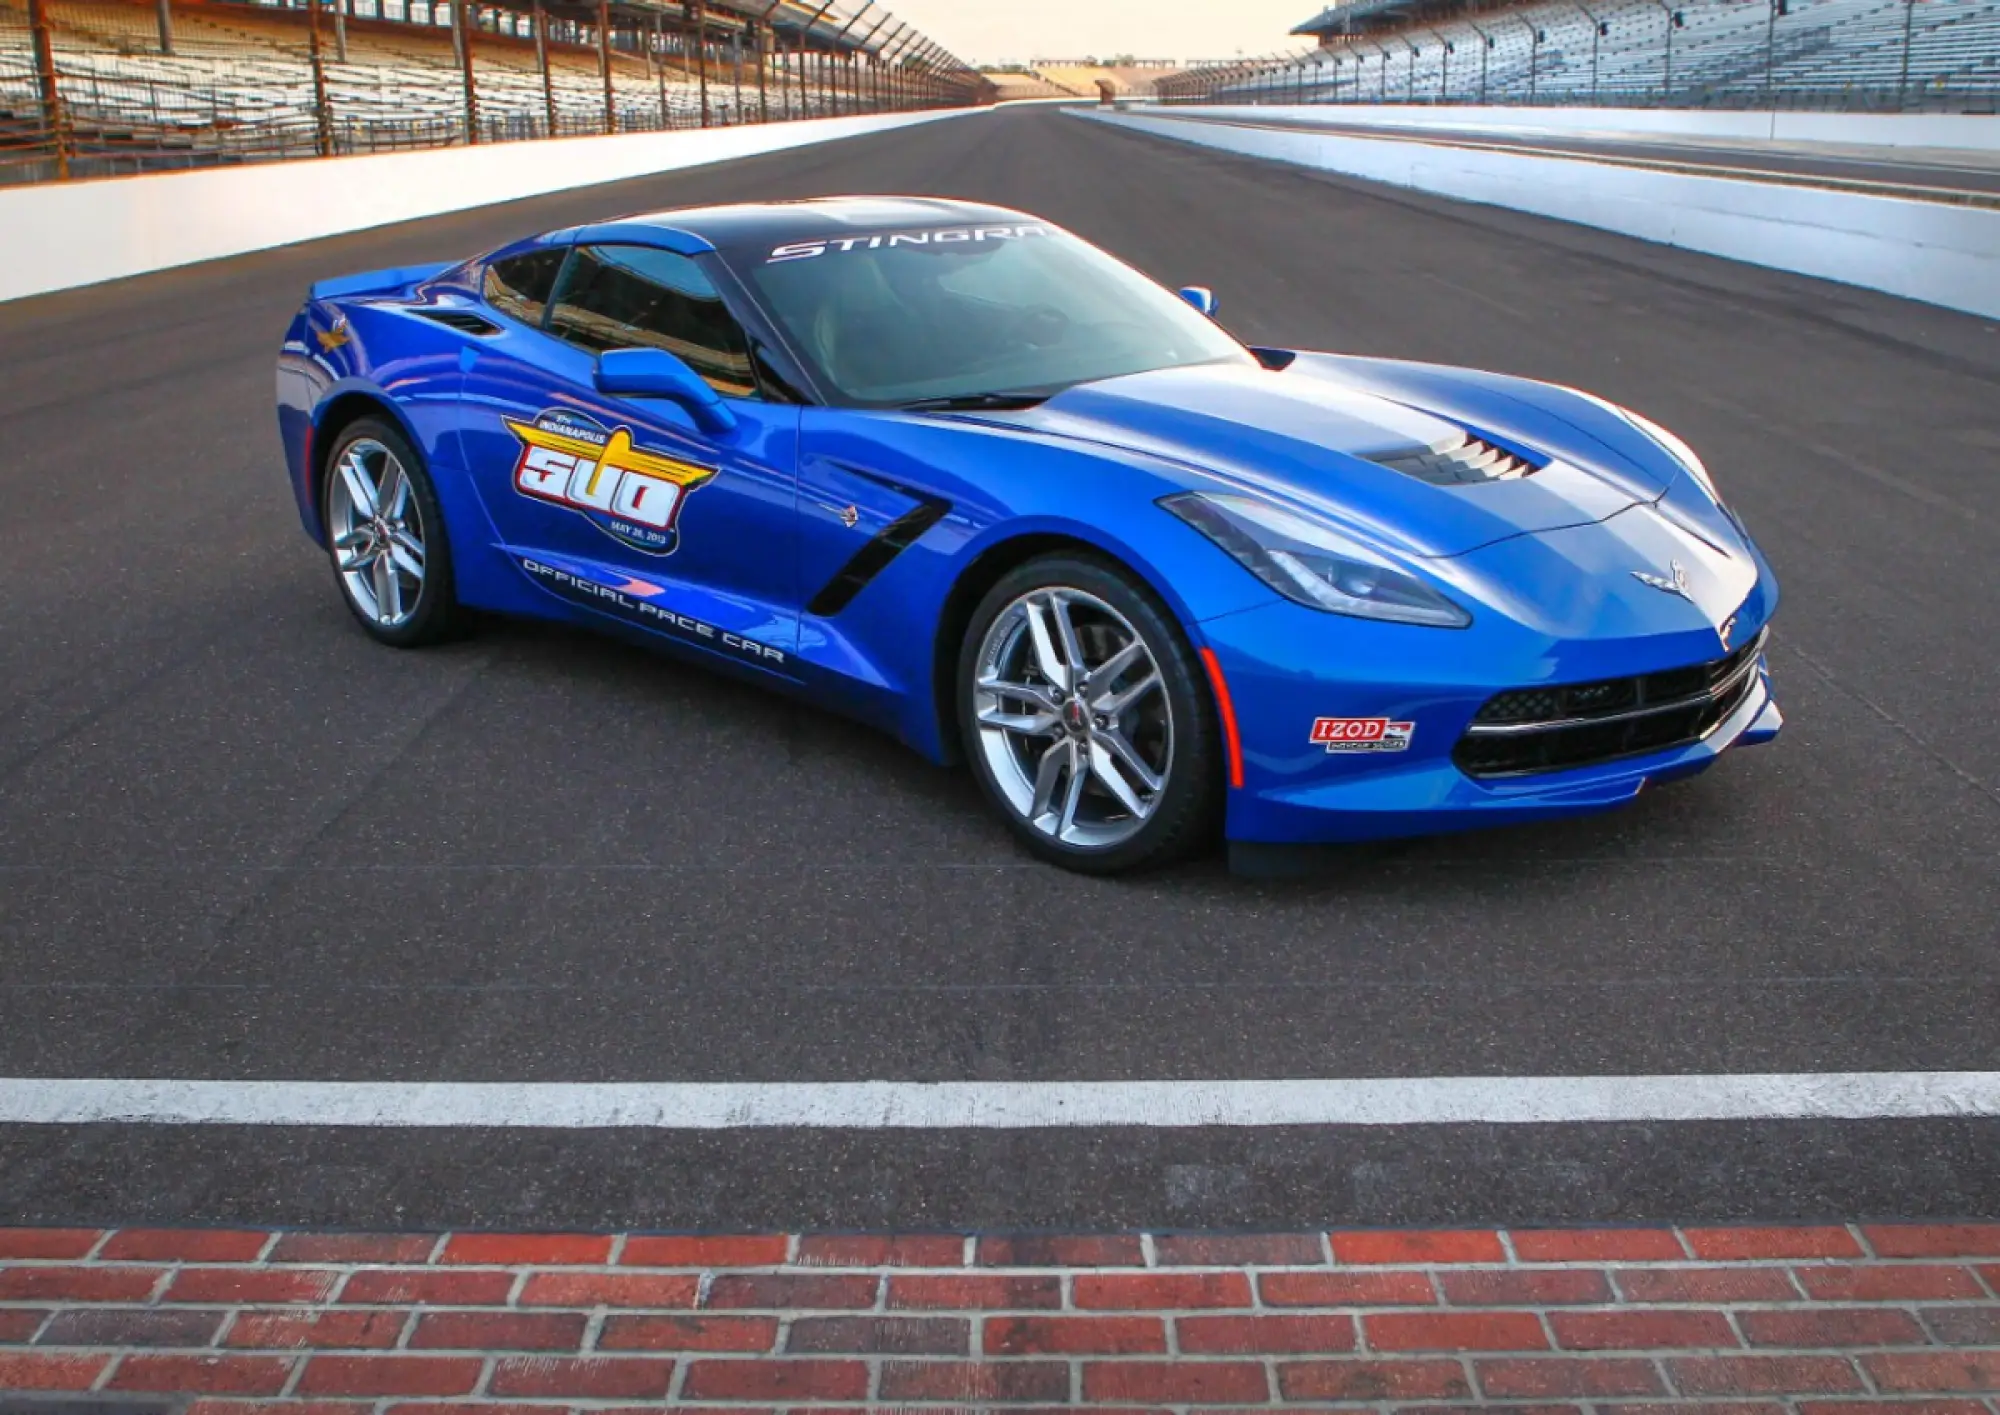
(625, 506)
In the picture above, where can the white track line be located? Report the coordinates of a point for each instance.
(979, 1105)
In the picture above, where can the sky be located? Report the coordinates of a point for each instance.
(993, 31)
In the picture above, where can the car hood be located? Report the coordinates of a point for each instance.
(1370, 445)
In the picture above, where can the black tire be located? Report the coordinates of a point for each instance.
(436, 615)
(1185, 815)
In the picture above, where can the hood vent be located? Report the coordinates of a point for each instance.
(465, 321)
(1459, 461)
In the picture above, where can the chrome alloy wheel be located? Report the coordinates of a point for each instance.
(1074, 720)
(378, 533)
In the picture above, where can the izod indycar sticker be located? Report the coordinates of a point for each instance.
(1362, 734)
(633, 496)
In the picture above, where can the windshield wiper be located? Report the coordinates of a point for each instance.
(957, 401)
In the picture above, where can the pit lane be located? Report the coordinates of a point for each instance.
(239, 842)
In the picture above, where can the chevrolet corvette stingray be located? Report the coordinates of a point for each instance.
(956, 472)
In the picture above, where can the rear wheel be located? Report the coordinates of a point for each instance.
(385, 535)
(1086, 720)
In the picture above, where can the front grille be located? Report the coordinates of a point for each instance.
(1581, 724)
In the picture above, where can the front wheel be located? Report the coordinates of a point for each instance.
(1086, 718)
(385, 535)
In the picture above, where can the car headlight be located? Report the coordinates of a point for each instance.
(1677, 449)
(1313, 564)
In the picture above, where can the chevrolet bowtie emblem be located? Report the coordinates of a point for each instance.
(1677, 585)
(849, 516)
(332, 338)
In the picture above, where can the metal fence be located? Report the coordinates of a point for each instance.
(106, 87)
(1865, 55)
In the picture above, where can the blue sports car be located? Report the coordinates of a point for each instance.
(958, 473)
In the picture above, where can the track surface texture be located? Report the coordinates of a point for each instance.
(1967, 171)
(239, 841)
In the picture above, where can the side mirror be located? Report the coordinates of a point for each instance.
(655, 373)
(1201, 297)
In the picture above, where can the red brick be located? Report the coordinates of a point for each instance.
(1934, 1240)
(1558, 1376)
(297, 1331)
(210, 1375)
(1991, 1276)
(1761, 1375)
(499, 1331)
(792, 1290)
(1591, 1245)
(1891, 1407)
(591, 1377)
(34, 1371)
(48, 1243)
(1832, 1326)
(1380, 1289)
(1092, 1336)
(1705, 1285)
(688, 1334)
(743, 1250)
(975, 1292)
(129, 1326)
(903, 1336)
(428, 1287)
(982, 1382)
(1151, 1291)
(18, 1324)
(1372, 1380)
(1483, 1408)
(542, 1249)
(78, 1284)
(610, 1290)
(1455, 1331)
(233, 1286)
(1419, 1246)
(1943, 1370)
(1965, 1326)
(1641, 1331)
(1704, 1407)
(776, 1380)
(353, 1248)
(184, 1245)
(1178, 1382)
(1243, 1336)
(1524, 1287)
(1883, 1282)
(906, 1250)
(1723, 1244)
(390, 1375)
(453, 1407)
(1230, 1250)
(1035, 1250)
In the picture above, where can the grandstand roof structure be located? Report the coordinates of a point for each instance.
(1349, 15)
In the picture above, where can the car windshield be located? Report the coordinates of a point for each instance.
(932, 316)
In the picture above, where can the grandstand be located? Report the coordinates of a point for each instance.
(1842, 54)
(1111, 78)
(100, 87)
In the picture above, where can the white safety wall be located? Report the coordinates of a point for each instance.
(1931, 251)
(59, 235)
(1960, 130)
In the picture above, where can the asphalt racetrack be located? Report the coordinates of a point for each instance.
(237, 840)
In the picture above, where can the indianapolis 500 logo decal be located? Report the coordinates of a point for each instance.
(573, 460)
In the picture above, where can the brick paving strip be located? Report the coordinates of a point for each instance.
(1733, 1321)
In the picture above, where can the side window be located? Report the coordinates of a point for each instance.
(638, 297)
(520, 285)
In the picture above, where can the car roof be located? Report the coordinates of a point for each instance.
(818, 218)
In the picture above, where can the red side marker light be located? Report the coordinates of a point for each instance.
(1230, 741)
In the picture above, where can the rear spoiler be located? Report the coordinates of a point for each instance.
(376, 281)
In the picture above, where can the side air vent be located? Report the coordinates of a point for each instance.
(465, 321)
(1459, 462)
